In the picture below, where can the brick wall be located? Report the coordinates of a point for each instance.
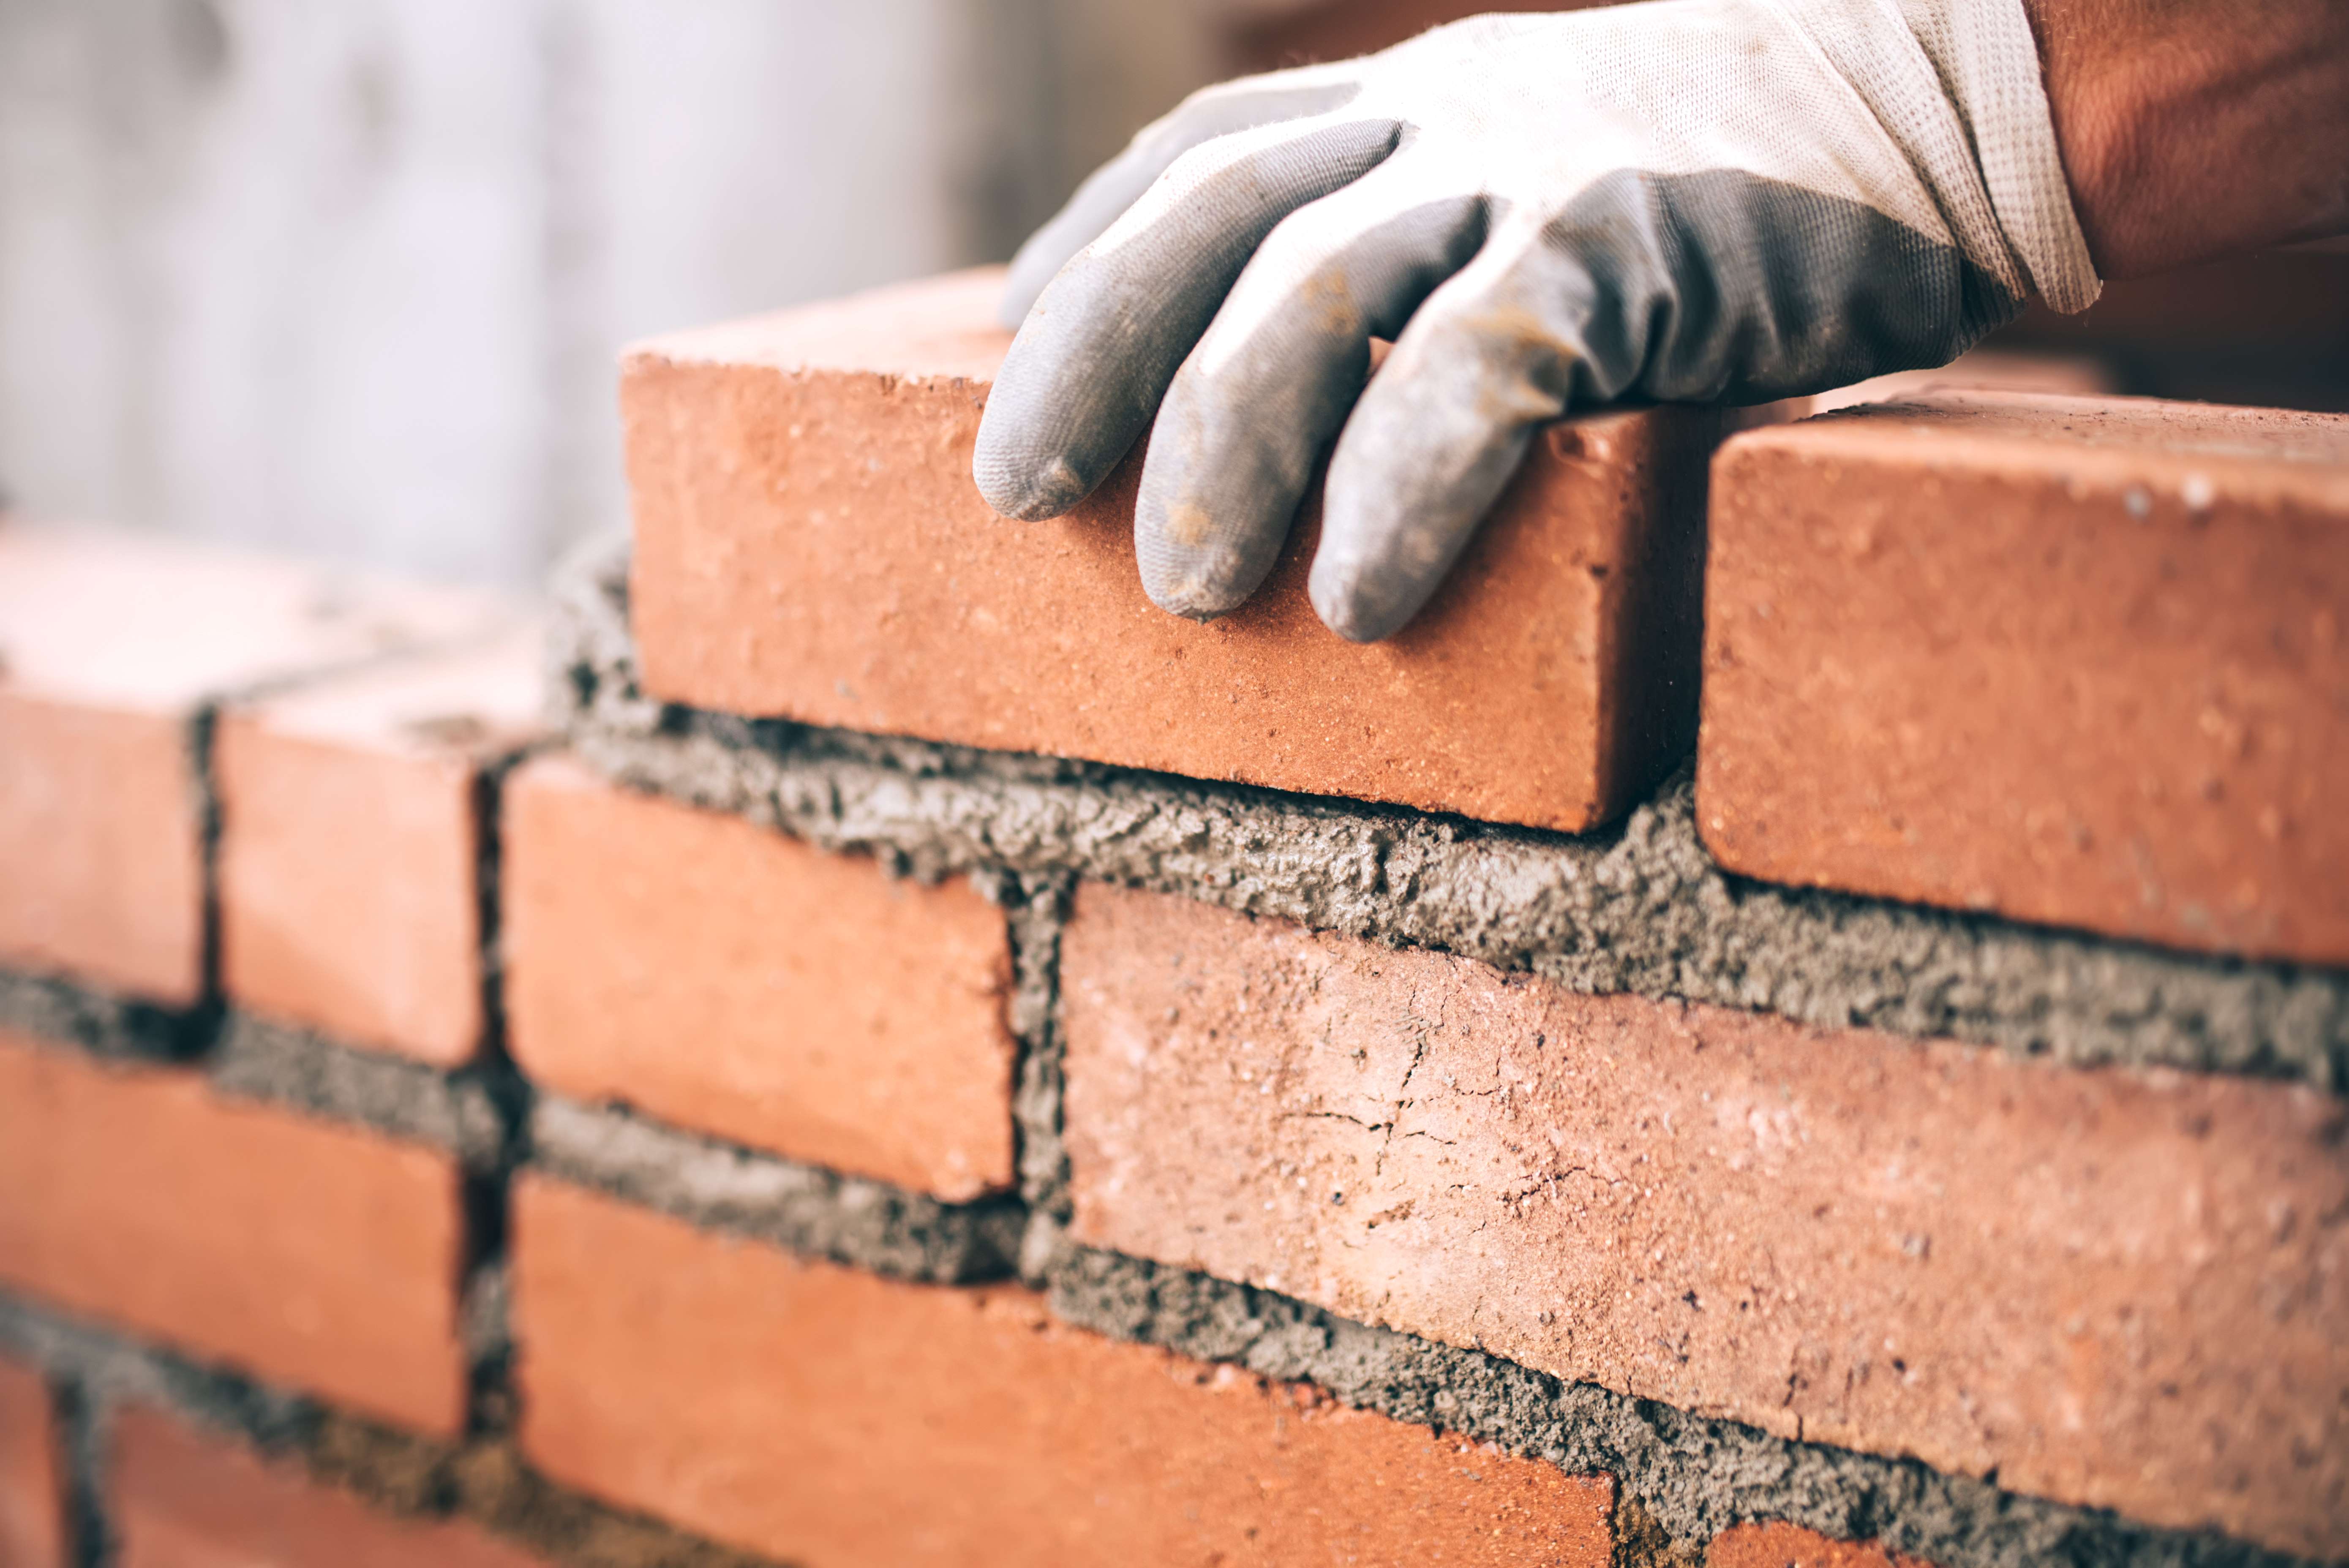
(1829, 1051)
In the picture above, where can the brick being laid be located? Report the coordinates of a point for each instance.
(810, 545)
(351, 841)
(2110, 1288)
(829, 1416)
(2078, 662)
(723, 978)
(112, 648)
(314, 1254)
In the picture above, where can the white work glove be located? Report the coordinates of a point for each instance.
(1685, 201)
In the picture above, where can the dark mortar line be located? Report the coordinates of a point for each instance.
(1639, 908)
(1687, 1477)
(201, 732)
(457, 1112)
(104, 1024)
(1036, 909)
(802, 1209)
(483, 1480)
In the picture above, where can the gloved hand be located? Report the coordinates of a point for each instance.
(1682, 200)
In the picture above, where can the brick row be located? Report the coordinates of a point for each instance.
(2114, 1288)
(178, 1498)
(32, 1489)
(809, 544)
(313, 1254)
(827, 1416)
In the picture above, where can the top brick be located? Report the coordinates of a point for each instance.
(110, 645)
(2077, 660)
(810, 545)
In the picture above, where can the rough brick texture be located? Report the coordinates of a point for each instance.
(110, 645)
(2112, 1287)
(726, 978)
(1788, 1546)
(2074, 661)
(809, 544)
(32, 1492)
(829, 1417)
(313, 1254)
(181, 1498)
(349, 847)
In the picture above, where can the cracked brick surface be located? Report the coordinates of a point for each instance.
(2109, 1287)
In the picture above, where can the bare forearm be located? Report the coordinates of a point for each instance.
(2197, 128)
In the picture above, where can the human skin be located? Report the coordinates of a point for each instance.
(2192, 130)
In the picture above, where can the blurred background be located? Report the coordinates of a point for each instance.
(348, 279)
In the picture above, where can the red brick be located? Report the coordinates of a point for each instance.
(810, 543)
(1791, 1546)
(726, 978)
(2113, 1287)
(184, 1500)
(830, 1417)
(2072, 661)
(349, 852)
(32, 1492)
(307, 1254)
(108, 645)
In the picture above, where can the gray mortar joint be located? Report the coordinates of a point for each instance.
(1639, 908)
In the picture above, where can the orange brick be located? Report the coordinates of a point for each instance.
(32, 1492)
(830, 1417)
(810, 543)
(108, 646)
(729, 979)
(2109, 1286)
(348, 852)
(184, 1500)
(2074, 661)
(1791, 1546)
(307, 1254)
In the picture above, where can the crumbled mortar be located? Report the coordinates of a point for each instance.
(457, 1112)
(99, 1023)
(1686, 1478)
(1035, 910)
(1640, 908)
(820, 1213)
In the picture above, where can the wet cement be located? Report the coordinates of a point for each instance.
(1640, 908)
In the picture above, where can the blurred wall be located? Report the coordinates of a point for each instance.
(349, 278)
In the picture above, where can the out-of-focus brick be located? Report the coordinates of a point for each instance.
(110, 645)
(2113, 1287)
(181, 1498)
(810, 543)
(32, 1492)
(2074, 661)
(1791, 1546)
(349, 852)
(723, 977)
(316, 1255)
(830, 1417)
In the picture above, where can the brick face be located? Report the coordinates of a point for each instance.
(829, 1416)
(725, 978)
(32, 1494)
(184, 1500)
(109, 643)
(2110, 1286)
(2074, 661)
(1791, 1546)
(308, 1254)
(348, 847)
(809, 544)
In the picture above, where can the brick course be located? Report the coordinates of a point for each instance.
(829, 1416)
(809, 544)
(182, 1499)
(348, 894)
(32, 1492)
(110, 645)
(2111, 1287)
(2079, 662)
(318, 1255)
(728, 979)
